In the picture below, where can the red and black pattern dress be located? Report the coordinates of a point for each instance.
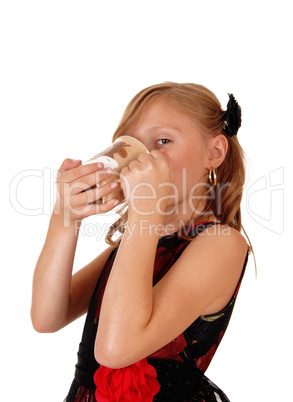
(173, 373)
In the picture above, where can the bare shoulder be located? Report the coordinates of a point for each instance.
(216, 255)
(222, 239)
(215, 259)
(223, 246)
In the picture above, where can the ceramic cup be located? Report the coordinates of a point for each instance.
(124, 150)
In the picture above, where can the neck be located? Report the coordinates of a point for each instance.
(172, 223)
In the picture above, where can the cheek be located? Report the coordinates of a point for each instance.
(188, 173)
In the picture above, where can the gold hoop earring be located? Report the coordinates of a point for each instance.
(212, 177)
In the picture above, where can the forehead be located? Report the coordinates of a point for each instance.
(161, 113)
(162, 119)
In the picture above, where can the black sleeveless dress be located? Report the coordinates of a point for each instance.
(181, 364)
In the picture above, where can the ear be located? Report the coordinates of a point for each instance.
(218, 150)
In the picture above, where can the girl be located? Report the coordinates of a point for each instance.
(159, 299)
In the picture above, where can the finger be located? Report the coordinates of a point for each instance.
(133, 164)
(96, 178)
(97, 209)
(144, 157)
(123, 176)
(69, 164)
(80, 170)
(94, 194)
(166, 155)
(124, 172)
(93, 209)
(157, 154)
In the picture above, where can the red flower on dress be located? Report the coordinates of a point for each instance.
(136, 382)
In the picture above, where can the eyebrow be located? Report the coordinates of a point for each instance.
(165, 127)
(157, 128)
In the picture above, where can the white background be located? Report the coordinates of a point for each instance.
(68, 69)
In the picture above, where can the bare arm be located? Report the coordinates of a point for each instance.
(137, 319)
(58, 298)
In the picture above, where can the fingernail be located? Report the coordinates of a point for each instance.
(110, 170)
(116, 203)
(114, 185)
(100, 165)
(75, 160)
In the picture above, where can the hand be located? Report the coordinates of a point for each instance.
(147, 183)
(77, 194)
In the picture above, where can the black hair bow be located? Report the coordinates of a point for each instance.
(232, 117)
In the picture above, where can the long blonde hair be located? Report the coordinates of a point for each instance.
(200, 104)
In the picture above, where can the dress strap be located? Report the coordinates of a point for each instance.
(241, 276)
(86, 367)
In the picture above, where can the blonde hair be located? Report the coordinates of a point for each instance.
(201, 105)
